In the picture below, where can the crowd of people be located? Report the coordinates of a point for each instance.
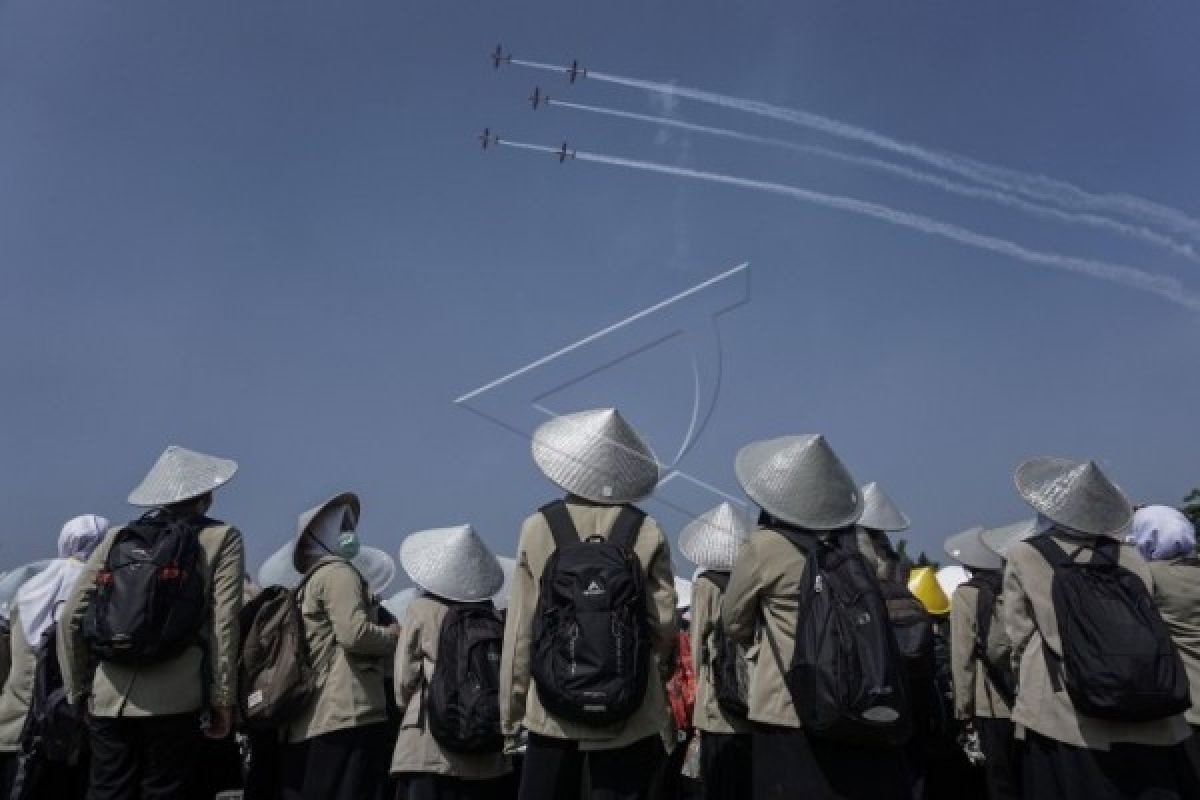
(807, 657)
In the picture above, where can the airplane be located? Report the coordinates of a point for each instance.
(537, 99)
(563, 153)
(498, 57)
(574, 71)
(487, 137)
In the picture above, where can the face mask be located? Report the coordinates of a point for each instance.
(348, 545)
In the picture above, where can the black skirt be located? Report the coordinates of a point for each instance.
(1053, 769)
(789, 764)
(349, 764)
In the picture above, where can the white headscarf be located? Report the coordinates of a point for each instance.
(1161, 533)
(38, 599)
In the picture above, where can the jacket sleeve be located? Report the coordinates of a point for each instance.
(962, 654)
(346, 604)
(739, 611)
(1017, 614)
(704, 604)
(72, 649)
(661, 599)
(518, 637)
(409, 661)
(225, 637)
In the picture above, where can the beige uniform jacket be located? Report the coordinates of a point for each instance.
(876, 556)
(1177, 593)
(1031, 625)
(974, 693)
(706, 613)
(519, 703)
(176, 685)
(416, 657)
(349, 651)
(768, 579)
(14, 700)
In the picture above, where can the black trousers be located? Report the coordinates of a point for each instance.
(790, 764)
(424, 786)
(142, 758)
(553, 768)
(725, 765)
(350, 764)
(1056, 770)
(8, 773)
(1002, 767)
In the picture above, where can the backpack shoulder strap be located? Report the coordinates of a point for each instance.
(1050, 550)
(627, 526)
(985, 605)
(562, 527)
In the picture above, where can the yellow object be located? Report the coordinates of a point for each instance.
(923, 583)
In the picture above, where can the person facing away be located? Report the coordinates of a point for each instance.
(1127, 744)
(603, 466)
(443, 751)
(980, 657)
(880, 517)
(713, 542)
(806, 493)
(1167, 540)
(337, 747)
(160, 678)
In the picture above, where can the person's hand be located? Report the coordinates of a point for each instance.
(220, 724)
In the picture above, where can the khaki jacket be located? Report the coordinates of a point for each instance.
(174, 686)
(1031, 625)
(349, 651)
(18, 691)
(1177, 592)
(974, 693)
(876, 555)
(706, 612)
(519, 703)
(416, 657)
(765, 585)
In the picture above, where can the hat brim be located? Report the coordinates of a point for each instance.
(463, 583)
(306, 520)
(749, 467)
(968, 549)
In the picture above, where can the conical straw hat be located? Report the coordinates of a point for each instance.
(801, 481)
(713, 540)
(968, 549)
(999, 540)
(1075, 494)
(879, 512)
(398, 603)
(376, 566)
(596, 455)
(500, 598)
(181, 474)
(453, 563)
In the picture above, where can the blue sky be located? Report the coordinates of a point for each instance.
(267, 231)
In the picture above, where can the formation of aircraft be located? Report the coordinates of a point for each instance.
(536, 100)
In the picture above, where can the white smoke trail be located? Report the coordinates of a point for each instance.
(1131, 277)
(1039, 187)
(909, 173)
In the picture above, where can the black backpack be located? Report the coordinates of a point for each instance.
(275, 670)
(463, 701)
(590, 638)
(847, 677)
(1118, 660)
(54, 729)
(911, 622)
(150, 601)
(988, 584)
(730, 669)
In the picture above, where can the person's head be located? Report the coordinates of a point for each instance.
(194, 506)
(80, 535)
(1162, 533)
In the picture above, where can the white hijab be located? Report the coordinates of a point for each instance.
(38, 599)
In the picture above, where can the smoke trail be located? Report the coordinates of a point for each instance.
(1131, 277)
(916, 175)
(1039, 187)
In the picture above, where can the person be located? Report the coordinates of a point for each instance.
(19, 665)
(146, 712)
(1167, 540)
(337, 747)
(457, 573)
(1106, 754)
(805, 493)
(980, 659)
(713, 542)
(880, 517)
(603, 465)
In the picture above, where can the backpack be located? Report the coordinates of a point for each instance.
(1118, 660)
(999, 675)
(846, 677)
(911, 622)
(681, 686)
(54, 729)
(730, 668)
(150, 600)
(590, 638)
(463, 700)
(275, 670)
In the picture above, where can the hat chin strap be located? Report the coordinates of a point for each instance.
(325, 529)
